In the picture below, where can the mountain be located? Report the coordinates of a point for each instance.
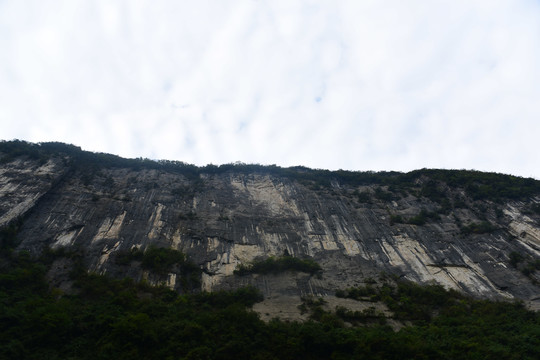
(289, 232)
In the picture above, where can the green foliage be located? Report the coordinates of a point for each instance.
(367, 315)
(515, 258)
(8, 235)
(87, 162)
(531, 267)
(365, 293)
(223, 218)
(384, 195)
(156, 259)
(246, 296)
(483, 185)
(188, 216)
(478, 185)
(183, 191)
(278, 265)
(419, 219)
(527, 265)
(479, 228)
(432, 191)
(423, 217)
(16, 148)
(121, 319)
(314, 306)
(161, 260)
(396, 219)
(409, 301)
(125, 257)
(363, 197)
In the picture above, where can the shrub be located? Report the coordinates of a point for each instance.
(161, 260)
(278, 265)
(396, 219)
(383, 194)
(423, 217)
(478, 228)
(125, 257)
(432, 192)
(515, 258)
(8, 234)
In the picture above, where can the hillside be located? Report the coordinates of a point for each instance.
(88, 236)
(470, 231)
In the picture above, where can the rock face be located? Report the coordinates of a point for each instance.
(225, 218)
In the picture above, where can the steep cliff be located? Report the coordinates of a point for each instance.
(475, 232)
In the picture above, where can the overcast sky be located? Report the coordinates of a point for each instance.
(357, 85)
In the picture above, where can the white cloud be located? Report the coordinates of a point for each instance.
(381, 85)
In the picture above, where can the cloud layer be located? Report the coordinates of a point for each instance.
(361, 85)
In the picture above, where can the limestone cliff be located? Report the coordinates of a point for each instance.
(461, 229)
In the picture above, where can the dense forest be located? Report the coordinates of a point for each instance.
(106, 318)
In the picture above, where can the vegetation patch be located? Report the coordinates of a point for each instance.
(515, 258)
(278, 265)
(407, 300)
(526, 265)
(366, 316)
(157, 259)
(478, 228)
(125, 257)
(447, 265)
(421, 219)
(531, 267)
(384, 195)
(162, 261)
(309, 303)
(532, 209)
(8, 235)
(122, 319)
(432, 191)
(363, 196)
(478, 185)
(364, 293)
(188, 216)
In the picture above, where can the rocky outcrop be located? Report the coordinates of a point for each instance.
(222, 219)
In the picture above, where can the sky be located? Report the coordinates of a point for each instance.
(355, 85)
